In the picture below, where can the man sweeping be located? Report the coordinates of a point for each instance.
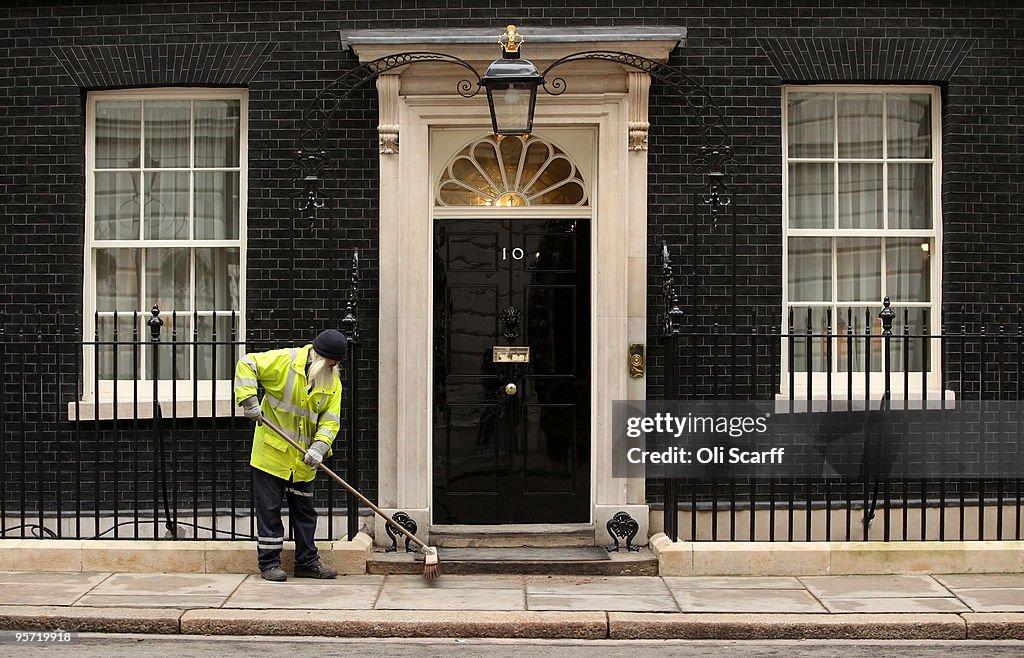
(302, 395)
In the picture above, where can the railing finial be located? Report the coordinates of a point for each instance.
(887, 315)
(155, 322)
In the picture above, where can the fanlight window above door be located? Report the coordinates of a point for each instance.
(514, 171)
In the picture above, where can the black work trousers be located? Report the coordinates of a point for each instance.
(267, 494)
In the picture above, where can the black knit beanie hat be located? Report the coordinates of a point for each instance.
(331, 344)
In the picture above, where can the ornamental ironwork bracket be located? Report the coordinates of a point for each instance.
(407, 522)
(622, 526)
(312, 155)
(715, 162)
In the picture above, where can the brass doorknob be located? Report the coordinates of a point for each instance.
(510, 389)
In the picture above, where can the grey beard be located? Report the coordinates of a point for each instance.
(321, 374)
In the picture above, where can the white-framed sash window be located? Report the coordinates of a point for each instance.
(861, 222)
(165, 224)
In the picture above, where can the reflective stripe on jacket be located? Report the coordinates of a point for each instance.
(307, 417)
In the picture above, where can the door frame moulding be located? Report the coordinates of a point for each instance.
(406, 307)
(609, 98)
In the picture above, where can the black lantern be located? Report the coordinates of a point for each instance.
(511, 85)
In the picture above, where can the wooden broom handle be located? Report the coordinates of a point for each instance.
(280, 432)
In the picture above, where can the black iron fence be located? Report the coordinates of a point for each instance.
(886, 360)
(134, 433)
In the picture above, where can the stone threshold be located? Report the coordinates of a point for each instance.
(834, 558)
(513, 535)
(553, 561)
(520, 624)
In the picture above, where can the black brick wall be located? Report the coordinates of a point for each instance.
(287, 51)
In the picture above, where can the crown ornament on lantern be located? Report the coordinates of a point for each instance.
(511, 40)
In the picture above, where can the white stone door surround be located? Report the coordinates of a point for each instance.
(606, 98)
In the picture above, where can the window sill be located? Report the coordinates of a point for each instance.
(820, 400)
(90, 409)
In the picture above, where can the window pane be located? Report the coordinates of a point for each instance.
(557, 170)
(810, 269)
(860, 195)
(117, 206)
(511, 153)
(216, 208)
(511, 103)
(852, 351)
(116, 358)
(454, 194)
(217, 361)
(810, 195)
(485, 157)
(537, 153)
(860, 125)
(466, 171)
(217, 133)
(810, 129)
(908, 269)
(167, 133)
(859, 269)
(117, 280)
(815, 345)
(910, 125)
(908, 327)
(565, 195)
(167, 280)
(217, 275)
(910, 195)
(118, 127)
(166, 205)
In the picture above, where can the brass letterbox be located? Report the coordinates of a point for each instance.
(510, 354)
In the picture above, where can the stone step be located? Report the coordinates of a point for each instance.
(561, 535)
(576, 561)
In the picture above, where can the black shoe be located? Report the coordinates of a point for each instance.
(316, 571)
(274, 574)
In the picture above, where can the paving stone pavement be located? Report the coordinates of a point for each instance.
(735, 594)
(561, 606)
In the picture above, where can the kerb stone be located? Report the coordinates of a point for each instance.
(400, 623)
(653, 626)
(92, 620)
(994, 625)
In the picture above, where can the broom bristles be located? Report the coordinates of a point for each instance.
(431, 565)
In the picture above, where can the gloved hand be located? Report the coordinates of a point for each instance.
(251, 409)
(315, 454)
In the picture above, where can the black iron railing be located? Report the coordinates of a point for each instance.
(958, 373)
(87, 453)
(134, 432)
(825, 361)
(963, 386)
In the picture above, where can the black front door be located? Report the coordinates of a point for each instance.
(511, 436)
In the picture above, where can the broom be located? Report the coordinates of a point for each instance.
(431, 566)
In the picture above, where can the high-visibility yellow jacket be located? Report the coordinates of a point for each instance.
(307, 417)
